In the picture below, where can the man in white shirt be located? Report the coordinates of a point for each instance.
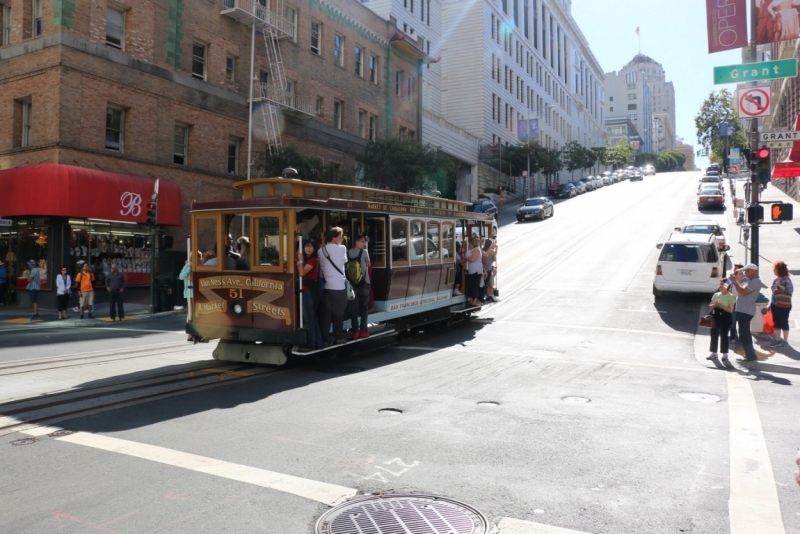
(332, 258)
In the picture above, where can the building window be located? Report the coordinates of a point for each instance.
(338, 50)
(362, 124)
(315, 31)
(181, 144)
(338, 109)
(27, 121)
(6, 36)
(373, 69)
(37, 17)
(233, 155)
(359, 61)
(373, 127)
(230, 68)
(199, 58)
(115, 128)
(115, 27)
(290, 14)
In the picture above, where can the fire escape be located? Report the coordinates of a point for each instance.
(274, 96)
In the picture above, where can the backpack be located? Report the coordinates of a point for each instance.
(353, 270)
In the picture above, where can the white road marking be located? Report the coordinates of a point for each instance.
(570, 360)
(516, 526)
(753, 503)
(329, 494)
(602, 328)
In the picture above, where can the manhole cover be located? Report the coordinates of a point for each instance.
(407, 514)
(61, 433)
(576, 400)
(25, 441)
(390, 410)
(699, 397)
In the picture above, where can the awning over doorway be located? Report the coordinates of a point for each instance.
(55, 190)
(790, 167)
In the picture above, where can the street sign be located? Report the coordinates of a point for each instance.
(5, 222)
(750, 72)
(754, 102)
(779, 135)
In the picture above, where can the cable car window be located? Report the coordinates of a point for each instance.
(205, 237)
(399, 242)
(434, 242)
(268, 230)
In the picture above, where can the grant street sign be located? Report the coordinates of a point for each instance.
(765, 70)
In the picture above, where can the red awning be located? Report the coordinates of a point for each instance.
(54, 190)
(790, 167)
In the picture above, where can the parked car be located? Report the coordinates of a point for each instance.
(704, 226)
(566, 191)
(710, 197)
(689, 263)
(485, 206)
(535, 208)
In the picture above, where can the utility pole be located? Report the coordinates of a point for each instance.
(755, 187)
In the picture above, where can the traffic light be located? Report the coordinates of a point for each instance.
(761, 165)
(755, 214)
(152, 209)
(782, 212)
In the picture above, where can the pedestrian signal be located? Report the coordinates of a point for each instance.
(782, 212)
(761, 165)
(755, 214)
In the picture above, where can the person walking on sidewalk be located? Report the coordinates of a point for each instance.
(85, 281)
(3, 283)
(115, 284)
(737, 268)
(63, 289)
(33, 287)
(721, 308)
(746, 295)
(781, 305)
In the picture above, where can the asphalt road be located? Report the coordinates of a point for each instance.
(573, 403)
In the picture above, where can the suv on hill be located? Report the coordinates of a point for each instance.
(689, 263)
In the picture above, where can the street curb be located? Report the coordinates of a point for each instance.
(702, 340)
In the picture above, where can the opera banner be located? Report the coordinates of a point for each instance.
(778, 20)
(727, 24)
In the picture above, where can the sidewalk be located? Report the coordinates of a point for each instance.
(776, 242)
(133, 312)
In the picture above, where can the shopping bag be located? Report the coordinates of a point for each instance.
(769, 323)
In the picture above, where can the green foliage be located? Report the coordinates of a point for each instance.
(406, 166)
(719, 108)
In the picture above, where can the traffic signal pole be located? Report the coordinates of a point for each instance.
(754, 185)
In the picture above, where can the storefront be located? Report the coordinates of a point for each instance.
(64, 216)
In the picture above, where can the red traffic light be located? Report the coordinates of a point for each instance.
(763, 153)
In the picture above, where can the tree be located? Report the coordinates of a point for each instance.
(717, 109)
(405, 166)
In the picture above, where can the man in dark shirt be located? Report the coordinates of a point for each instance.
(115, 284)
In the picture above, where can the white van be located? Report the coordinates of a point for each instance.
(689, 263)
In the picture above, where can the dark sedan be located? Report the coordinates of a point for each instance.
(535, 208)
(565, 191)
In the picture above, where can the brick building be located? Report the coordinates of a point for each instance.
(159, 90)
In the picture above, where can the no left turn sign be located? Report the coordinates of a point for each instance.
(754, 102)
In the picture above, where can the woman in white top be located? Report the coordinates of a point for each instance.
(63, 289)
(474, 259)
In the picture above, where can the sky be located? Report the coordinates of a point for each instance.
(673, 32)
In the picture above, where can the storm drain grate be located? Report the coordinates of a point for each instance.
(407, 514)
